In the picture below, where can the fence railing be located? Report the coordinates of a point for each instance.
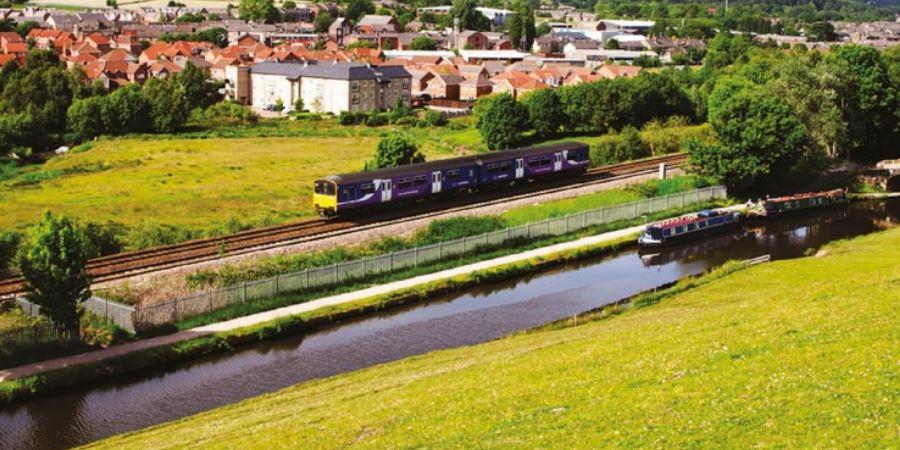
(117, 313)
(177, 309)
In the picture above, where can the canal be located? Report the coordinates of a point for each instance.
(476, 315)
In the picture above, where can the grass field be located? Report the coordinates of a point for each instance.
(799, 353)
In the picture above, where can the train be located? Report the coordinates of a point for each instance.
(340, 194)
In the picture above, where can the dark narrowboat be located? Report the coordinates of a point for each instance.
(779, 206)
(353, 191)
(690, 226)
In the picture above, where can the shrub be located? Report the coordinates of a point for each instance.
(408, 121)
(376, 119)
(433, 118)
(230, 113)
(395, 149)
(620, 147)
(349, 118)
(103, 240)
(147, 236)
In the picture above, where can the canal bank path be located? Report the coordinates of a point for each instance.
(266, 316)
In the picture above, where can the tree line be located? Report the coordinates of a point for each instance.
(588, 108)
(43, 105)
(774, 114)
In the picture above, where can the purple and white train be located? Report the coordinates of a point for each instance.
(338, 194)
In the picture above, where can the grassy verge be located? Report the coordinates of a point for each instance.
(797, 353)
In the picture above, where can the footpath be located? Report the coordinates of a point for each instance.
(266, 316)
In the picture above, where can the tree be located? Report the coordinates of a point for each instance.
(811, 89)
(545, 111)
(395, 149)
(759, 135)
(611, 44)
(322, 22)
(822, 31)
(168, 109)
(54, 266)
(25, 27)
(85, 117)
(869, 102)
(288, 4)
(198, 91)
(520, 26)
(125, 111)
(469, 17)
(358, 8)
(257, 10)
(9, 242)
(501, 121)
(423, 43)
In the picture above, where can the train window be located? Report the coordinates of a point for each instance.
(493, 168)
(420, 180)
(534, 163)
(701, 224)
(505, 165)
(667, 232)
(324, 188)
(404, 183)
(679, 230)
(691, 227)
(452, 174)
(367, 188)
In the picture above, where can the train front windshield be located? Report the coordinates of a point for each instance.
(324, 188)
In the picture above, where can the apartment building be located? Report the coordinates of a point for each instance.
(327, 86)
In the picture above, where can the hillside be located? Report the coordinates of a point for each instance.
(798, 353)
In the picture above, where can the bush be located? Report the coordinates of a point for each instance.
(433, 118)
(671, 137)
(147, 236)
(376, 119)
(348, 118)
(457, 227)
(103, 240)
(230, 113)
(614, 148)
(408, 121)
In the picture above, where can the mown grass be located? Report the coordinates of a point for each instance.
(797, 353)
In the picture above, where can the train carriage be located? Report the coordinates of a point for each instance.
(342, 193)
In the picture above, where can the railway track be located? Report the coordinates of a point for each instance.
(129, 264)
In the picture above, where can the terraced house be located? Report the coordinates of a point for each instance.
(327, 86)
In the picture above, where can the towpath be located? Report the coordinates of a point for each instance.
(258, 318)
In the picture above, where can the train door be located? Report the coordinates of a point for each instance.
(557, 162)
(386, 188)
(520, 168)
(436, 179)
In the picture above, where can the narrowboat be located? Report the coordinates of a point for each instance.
(779, 206)
(690, 226)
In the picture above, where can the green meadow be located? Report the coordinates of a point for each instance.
(798, 353)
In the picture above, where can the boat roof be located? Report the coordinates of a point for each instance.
(450, 163)
(688, 218)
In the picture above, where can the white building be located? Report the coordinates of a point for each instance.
(328, 86)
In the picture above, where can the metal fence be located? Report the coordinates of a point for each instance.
(175, 310)
(117, 313)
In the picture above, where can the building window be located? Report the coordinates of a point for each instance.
(355, 99)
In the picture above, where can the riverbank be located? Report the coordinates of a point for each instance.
(48, 376)
(802, 349)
